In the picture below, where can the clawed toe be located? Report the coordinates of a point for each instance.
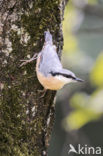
(43, 92)
(28, 61)
(24, 62)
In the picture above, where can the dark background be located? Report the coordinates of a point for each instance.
(79, 106)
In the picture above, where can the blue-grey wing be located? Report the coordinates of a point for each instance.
(49, 61)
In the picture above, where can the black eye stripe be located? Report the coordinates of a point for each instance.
(65, 75)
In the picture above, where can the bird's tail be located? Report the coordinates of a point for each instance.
(48, 36)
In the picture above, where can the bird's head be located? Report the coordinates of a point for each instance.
(66, 76)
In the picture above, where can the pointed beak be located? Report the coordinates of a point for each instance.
(78, 79)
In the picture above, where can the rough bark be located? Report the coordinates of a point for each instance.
(26, 119)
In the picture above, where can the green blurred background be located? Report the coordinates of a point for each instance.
(79, 106)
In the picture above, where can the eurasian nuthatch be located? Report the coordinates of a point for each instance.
(50, 72)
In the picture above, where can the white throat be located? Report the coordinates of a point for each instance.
(64, 79)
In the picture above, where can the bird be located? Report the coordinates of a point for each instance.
(49, 69)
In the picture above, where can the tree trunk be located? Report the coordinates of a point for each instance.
(26, 119)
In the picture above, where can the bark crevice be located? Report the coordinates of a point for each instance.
(25, 119)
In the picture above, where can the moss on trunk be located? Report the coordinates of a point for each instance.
(25, 119)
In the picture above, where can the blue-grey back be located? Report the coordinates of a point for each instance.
(49, 60)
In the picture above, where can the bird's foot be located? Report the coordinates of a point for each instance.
(24, 62)
(43, 92)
